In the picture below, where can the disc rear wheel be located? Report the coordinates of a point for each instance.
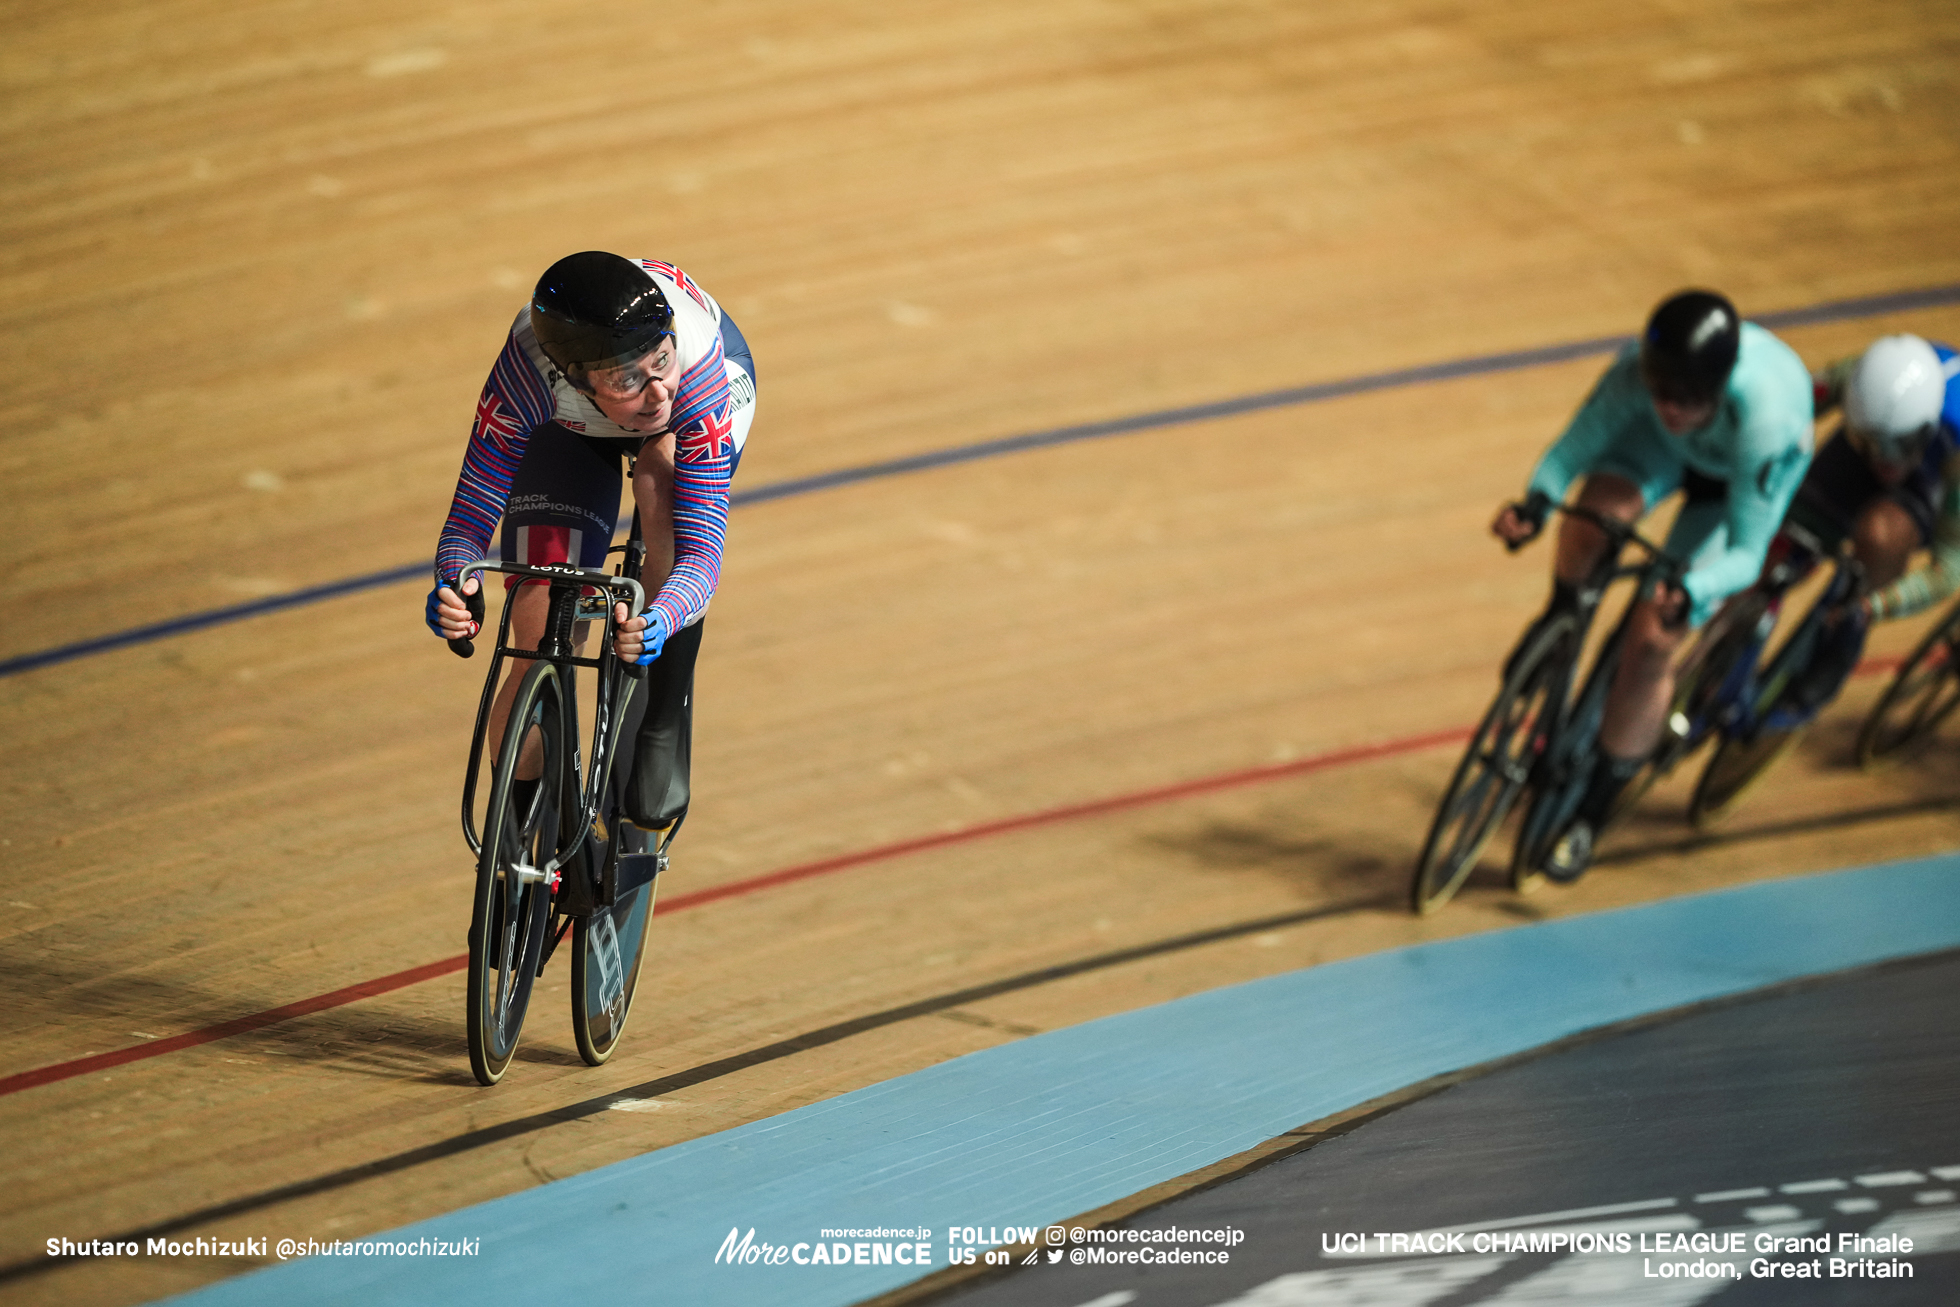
(609, 948)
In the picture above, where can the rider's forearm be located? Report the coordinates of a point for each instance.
(1914, 592)
(1585, 437)
(700, 531)
(515, 400)
(1750, 525)
(1919, 590)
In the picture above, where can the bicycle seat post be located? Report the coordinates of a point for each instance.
(556, 643)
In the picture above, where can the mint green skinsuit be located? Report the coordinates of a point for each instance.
(1758, 442)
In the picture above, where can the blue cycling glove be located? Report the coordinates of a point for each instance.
(472, 602)
(655, 636)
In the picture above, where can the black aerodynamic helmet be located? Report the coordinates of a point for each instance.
(594, 311)
(1689, 347)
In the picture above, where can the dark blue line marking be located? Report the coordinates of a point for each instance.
(1479, 365)
(1173, 417)
(216, 617)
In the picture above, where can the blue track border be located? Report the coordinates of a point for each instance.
(1476, 366)
(1033, 1132)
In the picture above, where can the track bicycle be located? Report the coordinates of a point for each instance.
(1763, 716)
(1537, 736)
(1923, 693)
(558, 860)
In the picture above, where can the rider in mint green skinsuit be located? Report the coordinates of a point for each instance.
(1704, 403)
(1758, 444)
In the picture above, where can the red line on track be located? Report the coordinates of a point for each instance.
(429, 971)
(735, 889)
(237, 1026)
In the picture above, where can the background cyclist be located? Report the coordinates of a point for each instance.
(1703, 403)
(612, 360)
(1886, 481)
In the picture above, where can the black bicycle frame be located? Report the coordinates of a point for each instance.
(567, 584)
(1658, 565)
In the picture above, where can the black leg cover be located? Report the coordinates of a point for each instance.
(656, 786)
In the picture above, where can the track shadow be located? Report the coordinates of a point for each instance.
(1312, 864)
(353, 1039)
(1694, 840)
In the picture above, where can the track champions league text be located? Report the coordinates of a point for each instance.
(1719, 1254)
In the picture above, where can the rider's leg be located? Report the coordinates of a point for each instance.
(656, 789)
(1884, 538)
(1643, 685)
(1580, 543)
(564, 500)
(530, 606)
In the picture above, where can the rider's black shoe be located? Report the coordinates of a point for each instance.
(1572, 854)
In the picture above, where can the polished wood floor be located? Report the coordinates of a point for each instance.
(255, 261)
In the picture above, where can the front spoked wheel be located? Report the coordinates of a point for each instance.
(1494, 769)
(513, 897)
(1921, 696)
(610, 946)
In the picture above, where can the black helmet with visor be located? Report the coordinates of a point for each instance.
(595, 311)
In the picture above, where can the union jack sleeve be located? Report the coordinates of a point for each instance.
(515, 402)
(704, 462)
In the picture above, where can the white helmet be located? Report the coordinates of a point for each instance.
(1893, 400)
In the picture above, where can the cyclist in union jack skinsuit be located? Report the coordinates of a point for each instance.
(613, 359)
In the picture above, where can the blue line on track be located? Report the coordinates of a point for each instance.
(1479, 365)
(1042, 1129)
(215, 617)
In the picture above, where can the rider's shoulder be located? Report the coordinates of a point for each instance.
(1764, 358)
(523, 340)
(1770, 389)
(1620, 383)
(697, 316)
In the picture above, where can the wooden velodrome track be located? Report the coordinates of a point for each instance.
(257, 260)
